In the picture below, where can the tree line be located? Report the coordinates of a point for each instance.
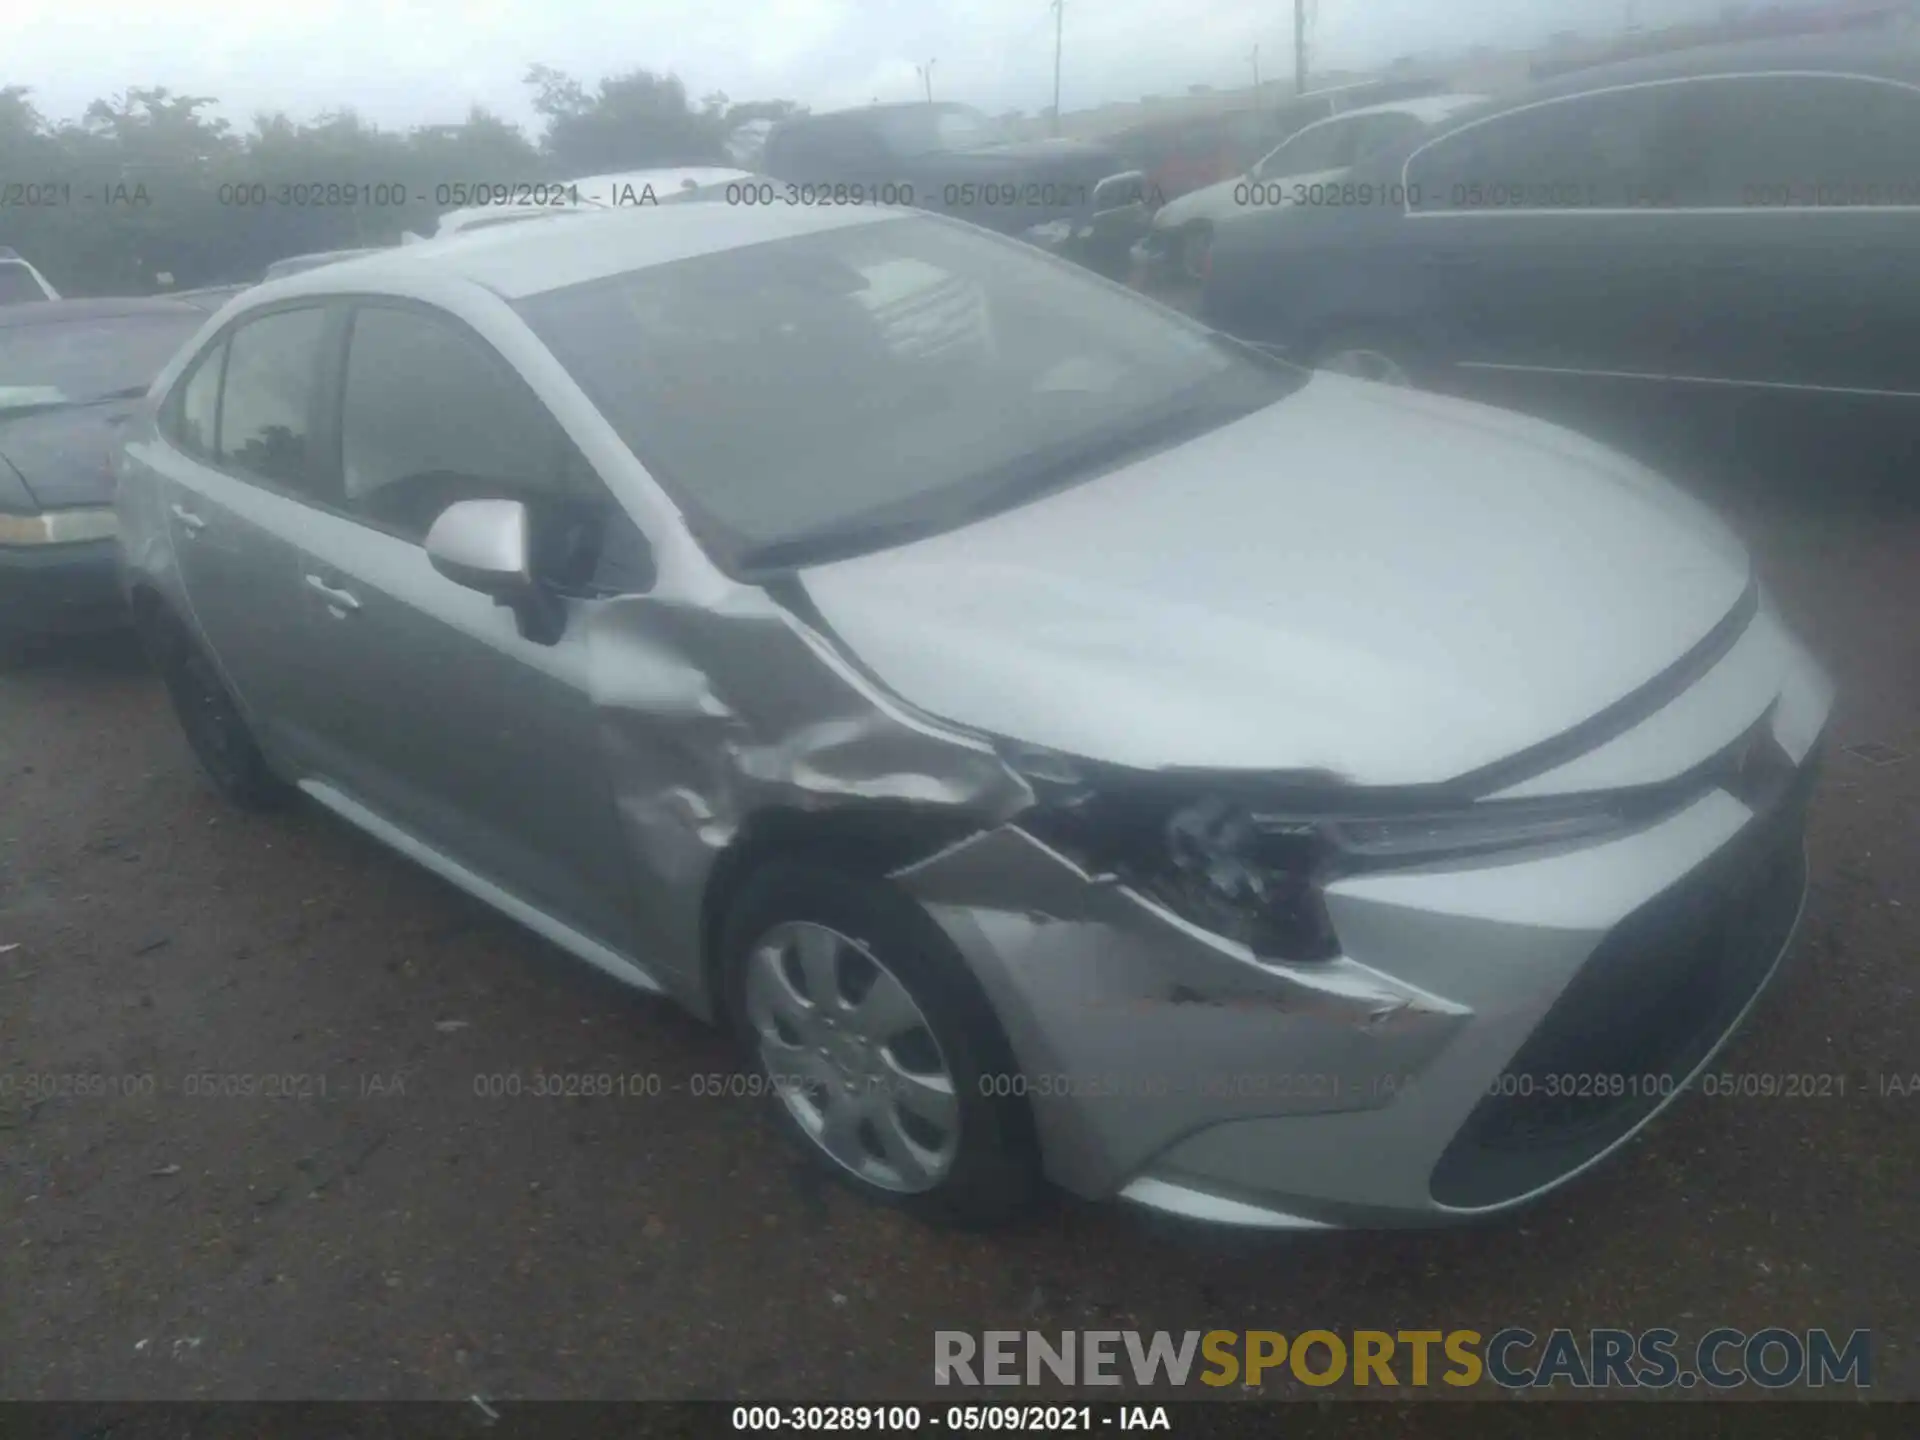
(149, 185)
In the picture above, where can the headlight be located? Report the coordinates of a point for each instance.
(1205, 860)
(1256, 873)
(58, 527)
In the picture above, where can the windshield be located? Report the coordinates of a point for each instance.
(840, 392)
(1327, 146)
(75, 361)
(924, 129)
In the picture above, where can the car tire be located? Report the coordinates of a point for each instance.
(1380, 356)
(1196, 252)
(216, 730)
(882, 1057)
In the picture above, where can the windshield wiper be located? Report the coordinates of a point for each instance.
(1040, 473)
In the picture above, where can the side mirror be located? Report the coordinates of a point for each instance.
(486, 545)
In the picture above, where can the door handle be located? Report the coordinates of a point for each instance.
(189, 521)
(341, 602)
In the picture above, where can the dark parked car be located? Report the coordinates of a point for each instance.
(1069, 196)
(208, 297)
(1729, 222)
(70, 372)
(295, 264)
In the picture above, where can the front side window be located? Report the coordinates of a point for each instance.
(195, 416)
(432, 415)
(838, 392)
(1600, 150)
(266, 405)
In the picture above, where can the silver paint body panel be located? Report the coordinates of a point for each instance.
(1394, 588)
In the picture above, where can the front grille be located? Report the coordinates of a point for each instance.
(1649, 1005)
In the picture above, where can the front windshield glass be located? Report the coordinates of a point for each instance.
(74, 361)
(925, 129)
(1328, 146)
(842, 391)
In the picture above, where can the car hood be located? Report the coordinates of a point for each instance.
(63, 456)
(1391, 587)
(1216, 202)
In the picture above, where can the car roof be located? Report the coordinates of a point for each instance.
(41, 312)
(1830, 54)
(574, 247)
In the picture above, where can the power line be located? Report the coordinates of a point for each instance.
(1059, 25)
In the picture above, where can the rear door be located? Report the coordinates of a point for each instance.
(237, 467)
(1801, 226)
(434, 712)
(1544, 247)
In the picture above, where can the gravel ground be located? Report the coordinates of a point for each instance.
(400, 1236)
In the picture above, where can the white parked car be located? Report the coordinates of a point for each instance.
(1321, 154)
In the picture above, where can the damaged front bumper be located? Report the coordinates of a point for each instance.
(1490, 1028)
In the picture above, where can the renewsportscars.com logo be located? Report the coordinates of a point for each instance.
(1513, 1358)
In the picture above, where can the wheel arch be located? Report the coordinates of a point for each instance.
(871, 839)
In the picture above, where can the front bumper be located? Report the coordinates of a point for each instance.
(1490, 1031)
(1102, 236)
(1153, 262)
(52, 590)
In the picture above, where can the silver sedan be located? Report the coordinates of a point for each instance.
(1065, 744)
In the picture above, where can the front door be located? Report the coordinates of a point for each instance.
(441, 718)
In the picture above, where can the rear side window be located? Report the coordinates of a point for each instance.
(1812, 140)
(266, 405)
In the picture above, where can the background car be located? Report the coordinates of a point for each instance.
(625, 189)
(71, 371)
(908, 650)
(1073, 197)
(294, 264)
(1184, 154)
(20, 283)
(1182, 234)
(207, 297)
(1711, 225)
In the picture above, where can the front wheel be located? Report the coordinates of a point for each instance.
(878, 1047)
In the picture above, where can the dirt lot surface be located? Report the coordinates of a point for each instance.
(388, 1232)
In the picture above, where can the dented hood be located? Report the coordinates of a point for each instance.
(1394, 587)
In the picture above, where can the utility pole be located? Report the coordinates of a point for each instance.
(926, 76)
(1059, 23)
(1256, 68)
(1299, 47)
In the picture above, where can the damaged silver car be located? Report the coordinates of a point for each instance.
(1067, 744)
